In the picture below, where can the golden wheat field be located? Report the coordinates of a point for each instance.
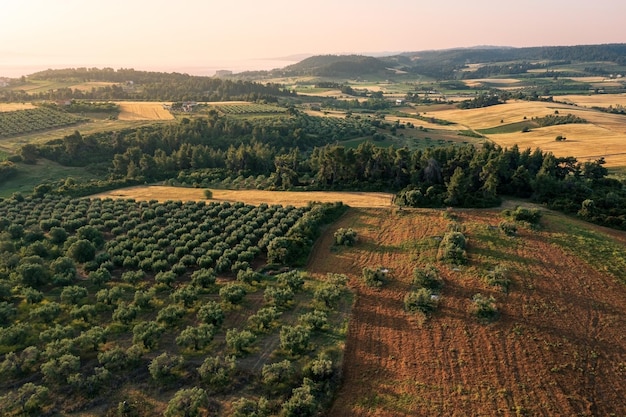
(254, 197)
(599, 100)
(15, 106)
(603, 136)
(142, 110)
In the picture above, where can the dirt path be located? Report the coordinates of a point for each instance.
(558, 348)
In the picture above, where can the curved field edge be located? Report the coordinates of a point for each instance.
(558, 347)
(254, 197)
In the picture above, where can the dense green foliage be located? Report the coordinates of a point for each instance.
(143, 85)
(128, 294)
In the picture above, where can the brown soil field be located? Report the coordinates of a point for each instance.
(15, 106)
(143, 110)
(557, 349)
(254, 197)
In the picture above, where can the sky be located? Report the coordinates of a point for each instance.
(203, 35)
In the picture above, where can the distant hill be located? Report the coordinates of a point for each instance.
(444, 64)
(337, 65)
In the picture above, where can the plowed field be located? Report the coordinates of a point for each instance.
(558, 348)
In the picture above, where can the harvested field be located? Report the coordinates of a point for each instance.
(15, 106)
(603, 136)
(143, 110)
(254, 197)
(599, 100)
(558, 347)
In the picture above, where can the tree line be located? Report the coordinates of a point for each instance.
(144, 85)
(305, 152)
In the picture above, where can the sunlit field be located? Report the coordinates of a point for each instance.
(131, 110)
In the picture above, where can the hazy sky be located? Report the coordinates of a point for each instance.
(159, 34)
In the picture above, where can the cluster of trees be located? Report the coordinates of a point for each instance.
(293, 151)
(89, 289)
(485, 100)
(143, 85)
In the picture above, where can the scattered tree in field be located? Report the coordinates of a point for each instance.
(293, 279)
(278, 375)
(374, 277)
(295, 339)
(264, 319)
(302, 402)
(73, 294)
(30, 398)
(171, 315)
(125, 313)
(244, 407)
(484, 308)
(33, 274)
(278, 296)
(239, 341)
(147, 333)
(320, 369)
(217, 371)
(208, 194)
(203, 278)
(508, 228)
(327, 294)
(233, 293)
(59, 370)
(82, 251)
(100, 276)
(427, 277)
(211, 313)
(423, 300)
(499, 276)
(345, 237)
(452, 248)
(165, 367)
(186, 294)
(187, 402)
(316, 319)
(196, 337)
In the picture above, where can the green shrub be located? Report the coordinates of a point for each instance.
(499, 276)
(423, 300)
(427, 277)
(374, 278)
(345, 237)
(484, 308)
(508, 228)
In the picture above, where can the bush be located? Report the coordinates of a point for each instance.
(521, 214)
(345, 237)
(508, 228)
(427, 277)
(374, 277)
(217, 371)
(277, 375)
(82, 251)
(239, 340)
(211, 313)
(484, 308)
(233, 293)
(187, 402)
(295, 339)
(452, 248)
(499, 277)
(422, 300)
(165, 367)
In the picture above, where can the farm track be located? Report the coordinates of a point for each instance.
(557, 349)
